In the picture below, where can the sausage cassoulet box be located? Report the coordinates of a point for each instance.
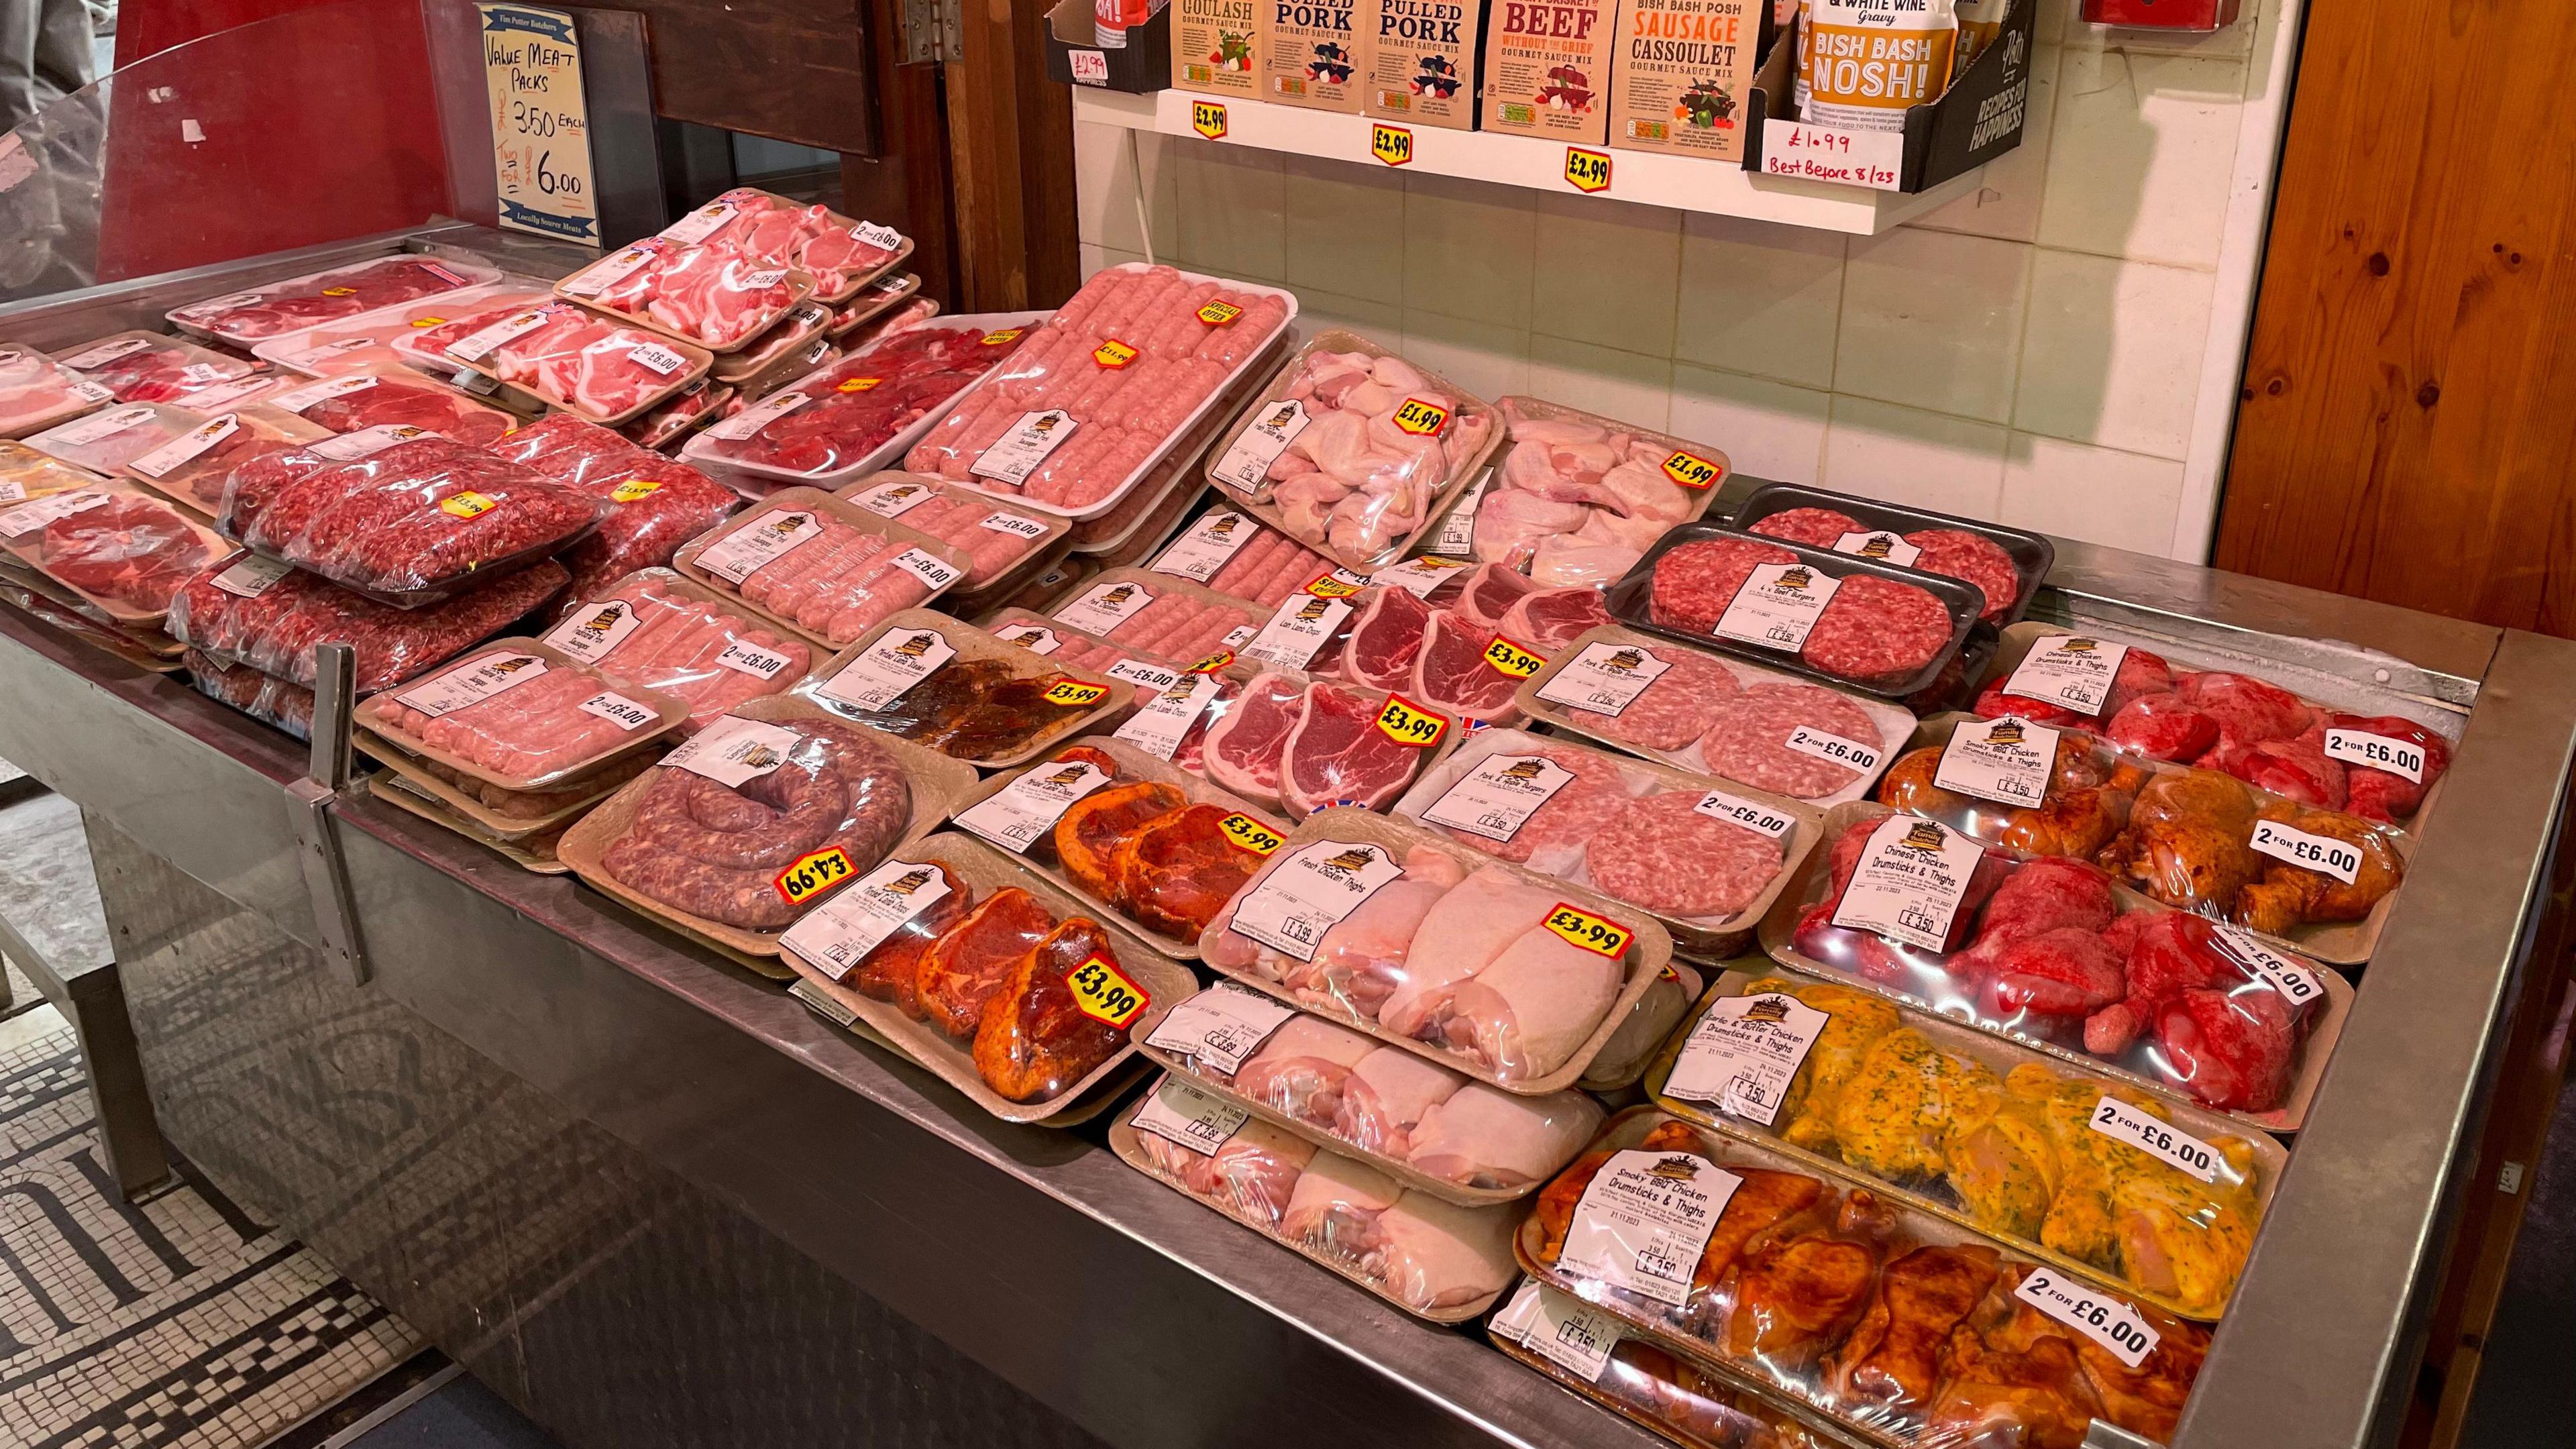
(1547, 68)
(1423, 61)
(1216, 47)
(1679, 80)
(1312, 54)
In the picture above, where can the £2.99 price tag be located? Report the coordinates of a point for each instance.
(811, 874)
(1592, 933)
(2321, 853)
(1104, 993)
(1409, 724)
(2115, 1324)
(1391, 144)
(1208, 119)
(1587, 171)
(2122, 1122)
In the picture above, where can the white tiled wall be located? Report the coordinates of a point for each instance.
(2032, 351)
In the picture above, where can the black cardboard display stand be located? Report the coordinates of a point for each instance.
(1977, 119)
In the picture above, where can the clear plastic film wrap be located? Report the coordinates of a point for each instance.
(729, 270)
(26, 473)
(262, 614)
(275, 308)
(831, 421)
(106, 441)
(411, 524)
(1308, 744)
(521, 715)
(37, 393)
(1644, 1381)
(658, 630)
(193, 466)
(384, 338)
(1579, 498)
(122, 550)
(655, 503)
(266, 698)
(1233, 553)
(672, 419)
(355, 401)
(148, 367)
(604, 370)
(995, 540)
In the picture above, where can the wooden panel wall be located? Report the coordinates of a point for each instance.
(797, 70)
(2407, 429)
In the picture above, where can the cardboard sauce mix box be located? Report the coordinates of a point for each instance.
(1547, 68)
(1216, 46)
(1422, 61)
(1311, 54)
(1681, 78)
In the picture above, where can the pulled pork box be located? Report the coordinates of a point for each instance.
(1547, 68)
(1423, 61)
(1313, 54)
(1682, 76)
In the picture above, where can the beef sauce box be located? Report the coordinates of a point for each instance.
(1683, 75)
(1423, 61)
(1313, 54)
(1547, 68)
(1216, 47)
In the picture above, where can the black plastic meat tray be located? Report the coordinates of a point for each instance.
(2032, 554)
(1631, 598)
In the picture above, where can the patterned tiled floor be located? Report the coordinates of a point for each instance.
(180, 1323)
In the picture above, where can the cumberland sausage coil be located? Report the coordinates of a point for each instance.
(1835, 616)
(1722, 718)
(660, 631)
(385, 338)
(1803, 1067)
(367, 399)
(654, 503)
(1097, 395)
(521, 715)
(261, 613)
(192, 467)
(273, 309)
(759, 818)
(821, 567)
(149, 367)
(1707, 861)
(122, 550)
(948, 686)
(2006, 565)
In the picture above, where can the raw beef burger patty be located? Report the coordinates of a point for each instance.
(1814, 527)
(1973, 557)
(1748, 738)
(1662, 854)
(1695, 582)
(1671, 712)
(1877, 629)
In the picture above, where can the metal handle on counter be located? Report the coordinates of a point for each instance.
(309, 802)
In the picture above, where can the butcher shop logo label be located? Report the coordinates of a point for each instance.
(906, 883)
(1925, 836)
(1767, 1009)
(1352, 861)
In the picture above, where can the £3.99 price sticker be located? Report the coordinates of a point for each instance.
(1246, 833)
(1409, 724)
(811, 874)
(1075, 694)
(1104, 993)
(1591, 932)
(1510, 658)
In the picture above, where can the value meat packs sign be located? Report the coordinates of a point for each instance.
(1422, 61)
(1680, 80)
(1547, 69)
(540, 122)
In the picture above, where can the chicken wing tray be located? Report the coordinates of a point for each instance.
(1584, 1350)
(1883, 1318)
(1016, 993)
(1717, 717)
(1838, 617)
(2142, 1194)
(1706, 862)
(2005, 565)
(568, 358)
(382, 339)
(1004, 549)
(656, 629)
(1419, 1122)
(1233, 553)
(28, 473)
(758, 818)
(138, 366)
(521, 716)
(1105, 388)
(121, 550)
(1351, 450)
(2316, 880)
(2054, 954)
(365, 399)
(104, 442)
(502, 816)
(1128, 833)
(1521, 980)
(534, 852)
(191, 468)
(655, 503)
(37, 393)
(2315, 738)
(1426, 1255)
(949, 687)
(725, 273)
(1579, 498)
(271, 701)
(829, 570)
(264, 614)
(273, 309)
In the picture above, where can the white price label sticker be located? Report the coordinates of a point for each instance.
(472, 683)
(893, 498)
(1207, 546)
(1103, 607)
(620, 711)
(2007, 760)
(100, 428)
(1604, 678)
(1014, 525)
(1744, 1052)
(1644, 1220)
(1878, 544)
(768, 277)
(2321, 853)
(837, 935)
(1311, 892)
(12, 492)
(105, 353)
(883, 238)
(935, 573)
(2123, 1122)
(1761, 819)
(757, 544)
(252, 577)
(759, 415)
(1145, 672)
(26, 518)
(2114, 1323)
(209, 399)
(365, 442)
(662, 361)
(480, 343)
(1777, 605)
(1909, 882)
(1849, 753)
(888, 669)
(1160, 726)
(1499, 794)
(1297, 629)
(1246, 461)
(732, 751)
(2273, 969)
(1419, 577)
(1221, 1027)
(304, 398)
(2377, 752)
(1025, 445)
(1458, 525)
(165, 460)
(601, 275)
(751, 659)
(700, 224)
(1178, 1112)
(591, 632)
(2070, 671)
(1561, 1328)
(1027, 808)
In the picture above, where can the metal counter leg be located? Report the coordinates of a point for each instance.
(128, 1131)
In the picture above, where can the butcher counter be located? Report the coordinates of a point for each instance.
(651, 1199)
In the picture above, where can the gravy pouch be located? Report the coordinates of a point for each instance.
(1423, 60)
(1312, 54)
(1547, 69)
(1681, 75)
(1865, 62)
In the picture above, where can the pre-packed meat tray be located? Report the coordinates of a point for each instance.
(658, 630)
(1579, 497)
(1004, 549)
(521, 715)
(193, 467)
(1862, 1314)
(949, 687)
(410, 524)
(1717, 717)
(385, 338)
(1834, 616)
(270, 700)
(1583, 1350)
(33, 592)
(122, 550)
(2005, 565)
(36, 393)
(1231, 552)
(1105, 388)
(2054, 954)
(353, 402)
(674, 418)
(757, 819)
(889, 300)
(1706, 862)
(1157, 614)
(533, 852)
(138, 367)
(655, 503)
(1622, 1062)
(807, 321)
(501, 816)
(1428, 1256)
(858, 413)
(1158, 847)
(260, 612)
(1992, 1136)
(2314, 737)
(1313, 744)
(1177, 701)
(1020, 996)
(1519, 980)
(1128, 532)
(272, 309)
(819, 566)
(1418, 1122)
(570, 359)
(1351, 450)
(726, 272)
(104, 442)
(27, 473)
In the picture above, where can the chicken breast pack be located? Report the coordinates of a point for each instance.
(2128, 1187)
(2052, 953)
(1578, 498)
(1498, 972)
(1018, 994)
(1890, 1321)
(1431, 1257)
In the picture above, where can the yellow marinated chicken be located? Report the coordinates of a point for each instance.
(2125, 1210)
(1856, 1019)
(1908, 1097)
(2005, 1169)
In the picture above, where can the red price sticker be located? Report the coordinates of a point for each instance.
(1591, 932)
(811, 874)
(1410, 724)
(1244, 832)
(468, 504)
(1113, 354)
(1104, 993)
(1690, 470)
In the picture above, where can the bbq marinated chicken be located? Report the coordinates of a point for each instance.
(2089, 794)
(2290, 895)
(2188, 845)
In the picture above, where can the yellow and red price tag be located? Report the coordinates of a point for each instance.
(858, 384)
(339, 291)
(811, 874)
(1208, 119)
(1213, 662)
(422, 322)
(1692, 471)
(1410, 724)
(1007, 334)
(1219, 314)
(1391, 144)
(1587, 171)
(634, 488)
(1510, 658)
(1246, 833)
(1584, 929)
(1332, 585)
(1113, 354)
(468, 504)
(1423, 419)
(1104, 993)
(1075, 693)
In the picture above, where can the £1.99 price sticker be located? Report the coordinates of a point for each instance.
(1104, 993)
(811, 874)
(1690, 470)
(1421, 418)
(1591, 932)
